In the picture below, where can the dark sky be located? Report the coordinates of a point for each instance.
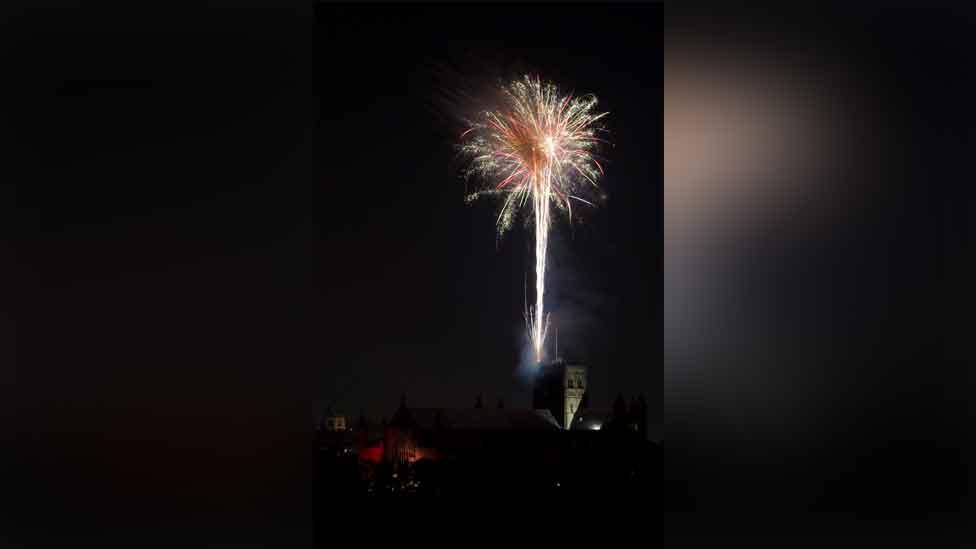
(425, 299)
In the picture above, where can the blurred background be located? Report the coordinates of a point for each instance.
(817, 213)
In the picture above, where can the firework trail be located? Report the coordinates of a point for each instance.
(538, 148)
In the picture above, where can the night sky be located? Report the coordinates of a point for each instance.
(425, 298)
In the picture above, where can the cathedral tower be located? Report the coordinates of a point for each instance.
(561, 388)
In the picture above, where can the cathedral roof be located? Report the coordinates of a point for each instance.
(483, 419)
(590, 419)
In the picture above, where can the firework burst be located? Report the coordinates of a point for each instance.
(537, 150)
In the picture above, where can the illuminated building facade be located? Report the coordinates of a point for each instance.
(333, 421)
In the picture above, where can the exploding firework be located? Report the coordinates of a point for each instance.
(537, 149)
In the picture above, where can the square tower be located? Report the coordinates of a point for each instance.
(560, 387)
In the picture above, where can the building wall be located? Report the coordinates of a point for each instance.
(335, 423)
(575, 383)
